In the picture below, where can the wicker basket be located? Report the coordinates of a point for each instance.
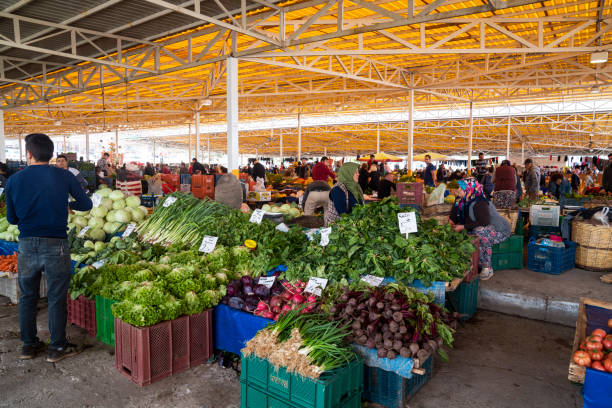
(594, 251)
(437, 209)
(597, 202)
(511, 215)
(442, 219)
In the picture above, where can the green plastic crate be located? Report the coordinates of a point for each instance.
(253, 397)
(507, 260)
(512, 244)
(520, 226)
(293, 390)
(464, 299)
(105, 322)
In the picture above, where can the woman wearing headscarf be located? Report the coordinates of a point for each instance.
(476, 215)
(346, 194)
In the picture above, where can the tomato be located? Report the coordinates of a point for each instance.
(599, 332)
(593, 337)
(610, 323)
(582, 358)
(596, 355)
(607, 342)
(607, 363)
(594, 345)
(582, 345)
(598, 366)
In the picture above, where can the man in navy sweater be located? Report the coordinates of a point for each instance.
(37, 201)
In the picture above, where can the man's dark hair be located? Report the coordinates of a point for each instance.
(428, 156)
(194, 159)
(324, 158)
(62, 156)
(481, 154)
(3, 168)
(610, 156)
(528, 161)
(106, 154)
(372, 156)
(40, 146)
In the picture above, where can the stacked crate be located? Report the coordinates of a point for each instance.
(203, 186)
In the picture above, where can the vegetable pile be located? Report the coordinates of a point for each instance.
(395, 319)
(8, 263)
(596, 350)
(8, 232)
(368, 241)
(305, 344)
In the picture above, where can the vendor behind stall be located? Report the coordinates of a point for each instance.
(558, 185)
(477, 215)
(346, 194)
(386, 187)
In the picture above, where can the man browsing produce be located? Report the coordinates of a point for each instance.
(36, 200)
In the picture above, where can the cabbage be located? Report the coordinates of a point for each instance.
(96, 234)
(104, 192)
(110, 217)
(106, 203)
(116, 195)
(123, 216)
(119, 204)
(80, 221)
(89, 244)
(81, 212)
(99, 212)
(132, 201)
(96, 222)
(144, 209)
(111, 227)
(266, 207)
(137, 215)
(98, 246)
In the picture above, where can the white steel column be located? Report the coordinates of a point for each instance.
(189, 157)
(154, 152)
(64, 143)
(232, 114)
(197, 132)
(86, 143)
(117, 146)
(410, 129)
(469, 159)
(208, 153)
(20, 149)
(281, 145)
(522, 153)
(378, 137)
(325, 151)
(2, 138)
(508, 139)
(299, 155)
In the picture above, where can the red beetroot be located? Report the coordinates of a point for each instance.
(261, 306)
(312, 299)
(297, 299)
(268, 314)
(276, 301)
(287, 308)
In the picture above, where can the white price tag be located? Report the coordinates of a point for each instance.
(407, 222)
(128, 230)
(267, 281)
(1, 190)
(169, 201)
(96, 199)
(208, 244)
(282, 227)
(325, 236)
(257, 216)
(83, 232)
(99, 264)
(372, 280)
(316, 286)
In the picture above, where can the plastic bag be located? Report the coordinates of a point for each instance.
(602, 216)
(437, 196)
(259, 185)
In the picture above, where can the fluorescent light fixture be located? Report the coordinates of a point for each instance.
(207, 102)
(595, 89)
(599, 57)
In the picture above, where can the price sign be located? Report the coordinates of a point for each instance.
(316, 286)
(267, 281)
(257, 216)
(83, 232)
(372, 280)
(128, 230)
(96, 199)
(99, 264)
(208, 244)
(407, 222)
(325, 236)
(1, 190)
(169, 201)
(282, 227)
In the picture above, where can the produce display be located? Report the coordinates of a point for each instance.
(8, 232)
(368, 241)
(596, 350)
(395, 319)
(8, 263)
(308, 344)
(289, 211)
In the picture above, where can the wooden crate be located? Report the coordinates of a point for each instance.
(585, 325)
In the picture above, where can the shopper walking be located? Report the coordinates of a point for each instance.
(302, 170)
(481, 167)
(36, 199)
(477, 215)
(532, 180)
(346, 194)
(429, 174)
(576, 180)
(504, 195)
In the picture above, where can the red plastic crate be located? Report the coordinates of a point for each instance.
(473, 272)
(172, 179)
(82, 313)
(148, 354)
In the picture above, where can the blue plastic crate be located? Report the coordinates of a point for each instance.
(551, 260)
(391, 390)
(536, 231)
(149, 200)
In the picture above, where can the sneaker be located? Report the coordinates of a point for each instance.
(29, 352)
(486, 274)
(56, 355)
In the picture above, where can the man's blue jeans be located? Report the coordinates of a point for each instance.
(51, 256)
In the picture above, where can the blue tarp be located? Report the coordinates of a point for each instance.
(399, 365)
(597, 389)
(233, 328)
(8, 247)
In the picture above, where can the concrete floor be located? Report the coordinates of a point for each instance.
(499, 361)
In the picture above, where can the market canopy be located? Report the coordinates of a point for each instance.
(434, 157)
(383, 157)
